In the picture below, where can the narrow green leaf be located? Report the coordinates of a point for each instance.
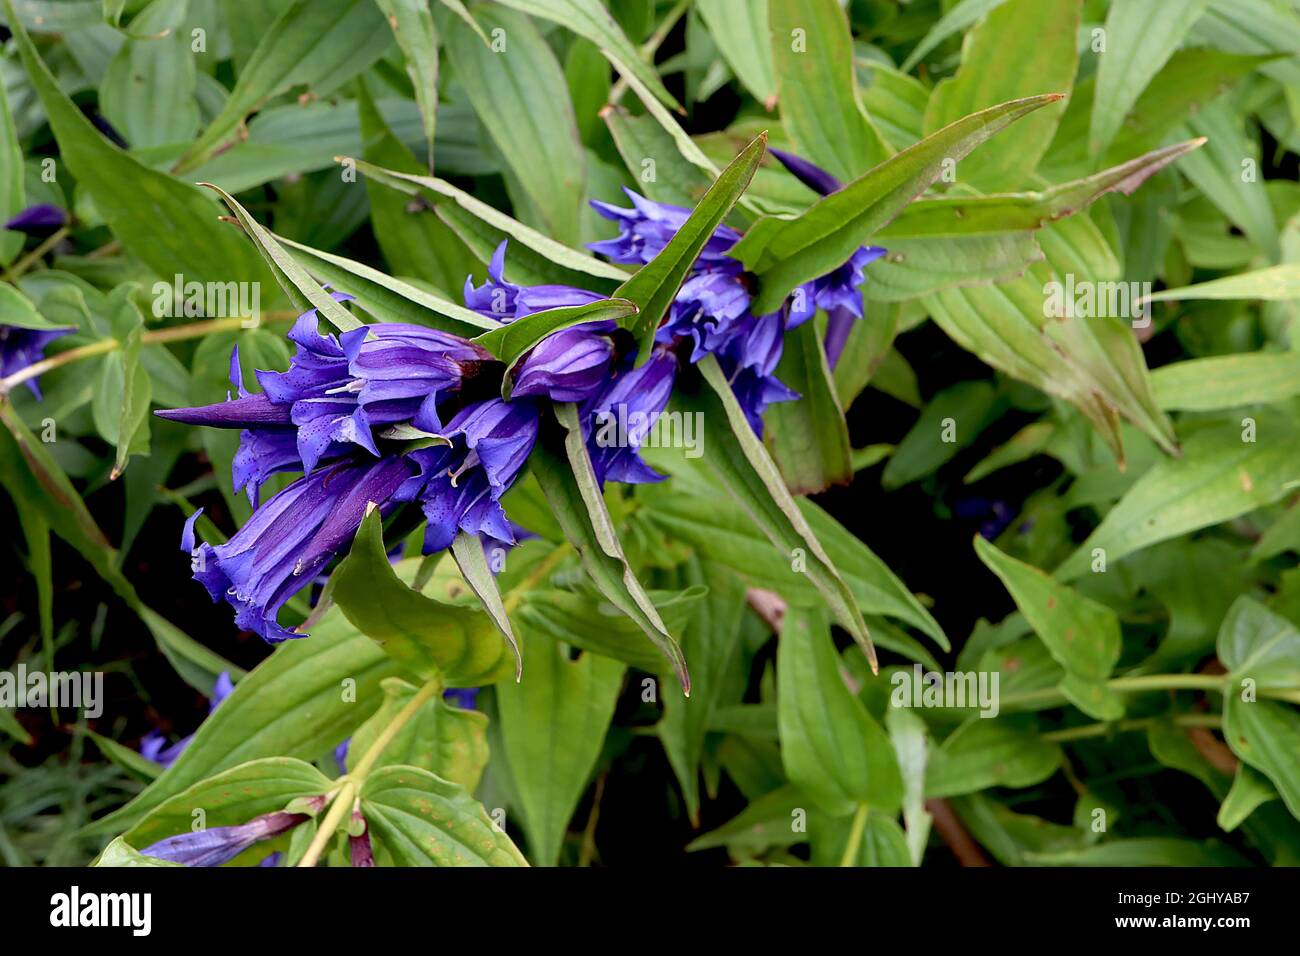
(312, 43)
(831, 747)
(1274, 284)
(590, 19)
(303, 291)
(1022, 47)
(574, 495)
(553, 725)
(438, 190)
(417, 35)
(743, 35)
(742, 464)
(467, 549)
(1227, 381)
(655, 285)
(812, 55)
(989, 752)
(1141, 36)
(786, 252)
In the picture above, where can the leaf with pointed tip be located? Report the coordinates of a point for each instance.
(467, 549)
(423, 635)
(787, 251)
(739, 460)
(590, 19)
(417, 35)
(439, 190)
(654, 286)
(575, 497)
(303, 291)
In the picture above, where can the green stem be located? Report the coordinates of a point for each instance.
(1103, 729)
(177, 333)
(346, 794)
(651, 46)
(1052, 697)
(850, 857)
(13, 273)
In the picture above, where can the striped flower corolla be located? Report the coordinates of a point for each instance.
(214, 846)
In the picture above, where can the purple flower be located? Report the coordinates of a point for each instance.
(463, 697)
(360, 853)
(648, 226)
(153, 744)
(217, 845)
(571, 365)
(290, 538)
(621, 419)
(20, 347)
(38, 220)
(707, 309)
(505, 301)
(341, 754)
(459, 485)
(812, 176)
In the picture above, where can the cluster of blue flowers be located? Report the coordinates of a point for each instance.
(345, 411)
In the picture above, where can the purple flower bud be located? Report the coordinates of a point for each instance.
(463, 697)
(359, 850)
(20, 347)
(38, 220)
(153, 745)
(217, 845)
(810, 174)
(568, 366)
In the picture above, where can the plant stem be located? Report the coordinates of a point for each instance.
(1102, 729)
(651, 46)
(1052, 697)
(345, 795)
(26, 262)
(850, 857)
(177, 333)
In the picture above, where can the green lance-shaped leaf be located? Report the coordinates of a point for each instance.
(1266, 735)
(553, 726)
(439, 191)
(831, 747)
(989, 752)
(574, 494)
(299, 702)
(1022, 47)
(510, 343)
(1274, 284)
(12, 193)
(812, 56)
(467, 549)
(1143, 35)
(1082, 635)
(311, 43)
(418, 819)
(417, 35)
(809, 438)
(1027, 211)
(303, 291)
(386, 298)
(1218, 478)
(785, 252)
(590, 19)
(1227, 381)
(739, 460)
(655, 285)
(423, 635)
(169, 225)
(743, 35)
